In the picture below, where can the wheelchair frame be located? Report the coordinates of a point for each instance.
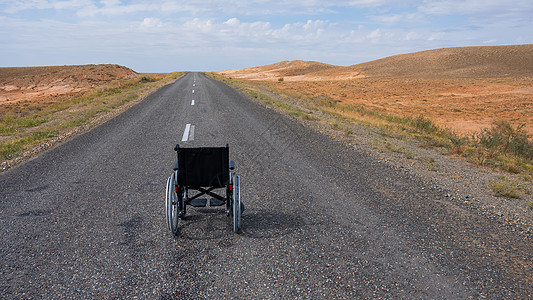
(204, 170)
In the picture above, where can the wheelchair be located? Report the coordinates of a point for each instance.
(203, 171)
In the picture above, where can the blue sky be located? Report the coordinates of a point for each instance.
(209, 35)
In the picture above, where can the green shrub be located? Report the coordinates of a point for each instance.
(424, 124)
(145, 79)
(502, 137)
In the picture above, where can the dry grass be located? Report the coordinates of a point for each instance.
(30, 121)
(422, 128)
(462, 105)
(464, 89)
(503, 187)
(475, 102)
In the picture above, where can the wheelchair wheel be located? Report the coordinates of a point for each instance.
(171, 204)
(236, 203)
(168, 200)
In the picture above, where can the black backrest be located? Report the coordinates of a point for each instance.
(203, 167)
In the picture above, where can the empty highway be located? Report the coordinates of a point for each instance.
(322, 220)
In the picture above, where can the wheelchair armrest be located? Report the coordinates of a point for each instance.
(175, 166)
(231, 165)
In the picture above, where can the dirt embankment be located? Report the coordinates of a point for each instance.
(44, 84)
(465, 89)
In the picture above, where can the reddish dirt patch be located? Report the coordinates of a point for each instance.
(463, 105)
(44, 84)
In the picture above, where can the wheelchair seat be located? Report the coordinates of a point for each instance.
(203, 167)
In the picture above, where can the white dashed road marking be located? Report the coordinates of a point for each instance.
(185, 136)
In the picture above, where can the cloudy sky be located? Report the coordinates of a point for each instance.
(211, 35)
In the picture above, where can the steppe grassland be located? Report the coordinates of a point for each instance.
(27, 122)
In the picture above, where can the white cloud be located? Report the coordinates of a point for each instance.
(341, 31)
(232, 22)
(391, 19)
(375, 35)
(378, 36)
(115, 8)
(436, 36)
(410, 36)
(199, 26)
(254, 34)
(149, 23)
(22, 5)
(110, 2)
(206, 8)
(366, 3)
(314, 25)
(519, 8)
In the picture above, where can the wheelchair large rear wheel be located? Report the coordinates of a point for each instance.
(171, 204)
(236, 203)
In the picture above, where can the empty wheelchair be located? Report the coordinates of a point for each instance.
(198, 172)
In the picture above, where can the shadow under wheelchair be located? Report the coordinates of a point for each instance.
(212, 223)
(205, 224)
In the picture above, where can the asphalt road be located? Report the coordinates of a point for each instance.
(322, 220)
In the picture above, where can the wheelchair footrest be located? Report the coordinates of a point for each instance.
(198, 202)
(215, 202)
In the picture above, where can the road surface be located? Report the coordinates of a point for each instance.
(322, 220)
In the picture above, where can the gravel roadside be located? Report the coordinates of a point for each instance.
(468, 184)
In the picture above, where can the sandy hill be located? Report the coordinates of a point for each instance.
(294, 70)
(296, 67)
(479, 62)
(33, 83)
(83, 74)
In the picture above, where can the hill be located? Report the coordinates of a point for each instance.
(37, 83)
(464, 62)
(479, 62)
(464, 89)
(294, 70)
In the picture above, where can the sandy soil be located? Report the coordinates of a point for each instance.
(297, 70)
(45, 84)
(463, 105)
(464, 89)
